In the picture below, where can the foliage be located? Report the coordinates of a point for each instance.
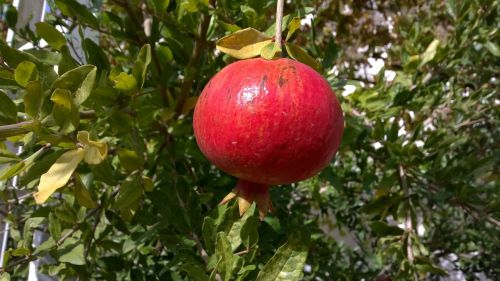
(135, 199)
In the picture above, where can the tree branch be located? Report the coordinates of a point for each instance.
(191, 68)
(15, 129)
(477, 214)
(17, 262)
(408, 222)
(25, 127)
(77, 226)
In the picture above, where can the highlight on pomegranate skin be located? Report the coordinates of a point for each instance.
(267, 122)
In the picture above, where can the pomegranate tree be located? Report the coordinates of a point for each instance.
(267, 122)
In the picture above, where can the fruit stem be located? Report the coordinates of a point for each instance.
(279, 20)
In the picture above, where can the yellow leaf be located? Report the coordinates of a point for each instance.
(95, 152)
(243, 44)
(58, 174)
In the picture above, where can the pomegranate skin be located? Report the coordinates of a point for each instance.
(268, 121)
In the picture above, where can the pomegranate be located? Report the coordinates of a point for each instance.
(267, 122)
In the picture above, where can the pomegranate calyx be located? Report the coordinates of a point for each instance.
(247, 193)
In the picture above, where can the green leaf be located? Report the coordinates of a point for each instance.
(11, 16)
(8, 109)
(72, 251)
(125, 83)
(45, 56)
(71, 8)
(161, 6)
(95, 55)
(190, 5)
(249, 232)
(104, 172)
(45, 246)
(148, 184)
(82, 195)
(7, 156)
(129, 159)
(235, 233)
(451, 8)
(189, 104)
(270, 51)
(65, 113)
(429, 53)
(55, 228)
(130, 192)
(141, 65)
(194, 272)
(383, 229)
(431, 269)
(12, 170)
(208, 230)
(164, 53)
(424, 264)
(79, 81)
(58, 175)
(299, 54)
(243, 44)
(25, 71)
(50, 34)
(170, 211)
(31, 223)
(292, 27)
(379, 204)
(225, 257)
(228, 26)
(493, 48)
(33, 98)
(67, 61)
(332, 53)
(4, 276)
(288, 262)
(271, 30)
(17, 168)
(14, 57)
(19, 252)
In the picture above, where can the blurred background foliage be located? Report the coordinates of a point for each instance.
(413, 193)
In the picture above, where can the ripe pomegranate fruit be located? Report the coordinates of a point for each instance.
(267, 122)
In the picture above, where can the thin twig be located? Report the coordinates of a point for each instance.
(244, 252)
(76, 227)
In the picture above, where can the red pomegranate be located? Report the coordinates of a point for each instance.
(267, 122)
